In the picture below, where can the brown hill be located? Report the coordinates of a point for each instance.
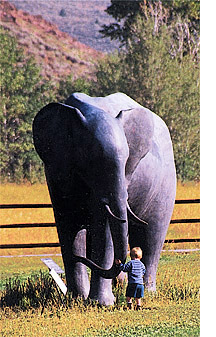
(56, 52)
(81, 19)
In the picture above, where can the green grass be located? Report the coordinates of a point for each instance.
(172, 311)
(159, 330)
(23, 267)
(162, 319)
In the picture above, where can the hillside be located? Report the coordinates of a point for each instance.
(57, 53)
(81, 19)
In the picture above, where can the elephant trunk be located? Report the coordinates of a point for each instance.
(119, 231)
(105, 273)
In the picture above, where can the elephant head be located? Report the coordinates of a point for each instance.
(92, 144)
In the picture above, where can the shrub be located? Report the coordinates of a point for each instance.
(62, 12)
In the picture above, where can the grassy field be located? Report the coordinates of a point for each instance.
(173, 311)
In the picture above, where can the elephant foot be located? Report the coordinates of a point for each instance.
(80, 293)
(78, 282)
(150, 279)
(104, 299)
(151, 287)
(101, 290)
(103, 295)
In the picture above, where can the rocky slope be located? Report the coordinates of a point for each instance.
(81, 19)
(56, 52)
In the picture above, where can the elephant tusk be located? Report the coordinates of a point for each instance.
(113, 215)
(134, 217)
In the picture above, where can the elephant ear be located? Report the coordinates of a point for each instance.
(139, 128)
(52, 129)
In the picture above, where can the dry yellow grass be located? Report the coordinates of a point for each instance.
(100, 323)
(38, 193)
(26, 194)
(186, 211)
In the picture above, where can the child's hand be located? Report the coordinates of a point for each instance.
(118, 262)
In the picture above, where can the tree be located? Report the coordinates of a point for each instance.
(23, 93)
(126, 12)
(154, 71)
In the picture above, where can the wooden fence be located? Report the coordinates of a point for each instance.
(56, 244)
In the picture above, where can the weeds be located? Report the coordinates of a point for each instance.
(42, 292)
(36, 292)
(172, 311)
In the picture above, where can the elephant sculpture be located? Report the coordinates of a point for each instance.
(110, 172)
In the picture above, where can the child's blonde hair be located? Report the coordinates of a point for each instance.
(136, 253)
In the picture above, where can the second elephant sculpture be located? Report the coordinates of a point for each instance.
(111, 176)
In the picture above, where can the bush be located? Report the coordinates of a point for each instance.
(69, 85)
(62, 12)
(23, 93)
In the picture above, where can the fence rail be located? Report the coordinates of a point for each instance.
(56, 244)
(11, 206)
(8, 206)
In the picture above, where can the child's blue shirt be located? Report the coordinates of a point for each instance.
(135, 269)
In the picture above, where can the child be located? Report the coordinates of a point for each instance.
(136, 270)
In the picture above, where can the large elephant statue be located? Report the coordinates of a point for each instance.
(111, 176)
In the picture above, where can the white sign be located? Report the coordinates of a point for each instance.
(52, 265)
(59, 281)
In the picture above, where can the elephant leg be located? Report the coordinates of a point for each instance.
(151, 197)
(70, 217)
(102, 252)
(151, 247)
(151, 238)
(76, 272)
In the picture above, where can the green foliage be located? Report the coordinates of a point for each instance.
(22, 94)
(69, 85)
(126, 12)
(109, 75)
(154, 71)
(185, 8)
(121, 10)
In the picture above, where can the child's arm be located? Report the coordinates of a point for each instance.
(123, 267)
